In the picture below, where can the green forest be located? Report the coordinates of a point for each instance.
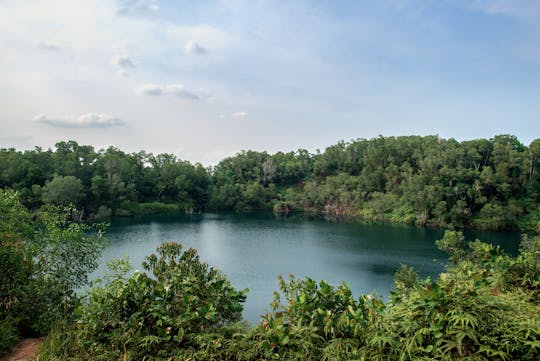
(490, 184)
(484, 306)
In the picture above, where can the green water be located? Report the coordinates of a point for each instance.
(253, 249)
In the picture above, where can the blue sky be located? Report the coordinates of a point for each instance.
(205, 79)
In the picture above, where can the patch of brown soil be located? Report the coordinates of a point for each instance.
(24, 351)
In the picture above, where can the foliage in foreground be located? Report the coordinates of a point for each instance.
(43, 258)
(484, 307)
(154, 315)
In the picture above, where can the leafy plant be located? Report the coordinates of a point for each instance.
(152, 315)
(43, 257)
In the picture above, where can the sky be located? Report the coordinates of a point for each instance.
(206, 79)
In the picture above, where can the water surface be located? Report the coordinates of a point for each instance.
(253, 249)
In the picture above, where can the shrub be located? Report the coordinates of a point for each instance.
(43, 257)
(158, 207)
(284, 207)
(154, 315)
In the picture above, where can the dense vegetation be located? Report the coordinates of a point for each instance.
(44, 256)
(488, 184)
(485, 307)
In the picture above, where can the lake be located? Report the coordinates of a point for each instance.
(252, 249)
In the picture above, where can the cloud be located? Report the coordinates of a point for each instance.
(176, 90)
(149, 89)
(523, 9)
(123, 61)
(236, 115)
(239, 115)
(122, 73)
(527, 12)
(137, 7)
(88, 120)
(49, 46)
(192, 47)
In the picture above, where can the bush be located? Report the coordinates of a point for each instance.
(284, 207)
(154, 315)
(9, 334)
(43, 257)
(103, 212)
(158, 207)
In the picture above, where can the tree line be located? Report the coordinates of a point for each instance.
(425, 180)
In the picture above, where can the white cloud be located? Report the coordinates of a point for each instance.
(137, 7)
(149, 89)
(88, 120)
(179, 91)
(239, 115)
(176, 90)
(235, 115)
(123, 61)
(524, 9)
(212, 37)
(122, 73)
(49, 45)
(192, 47)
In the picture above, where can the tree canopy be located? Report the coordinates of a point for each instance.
(425, 180)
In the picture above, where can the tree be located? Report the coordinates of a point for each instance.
(73, 159)
(63, 190)
(492, 217)
(114, 179)
(534, 167)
